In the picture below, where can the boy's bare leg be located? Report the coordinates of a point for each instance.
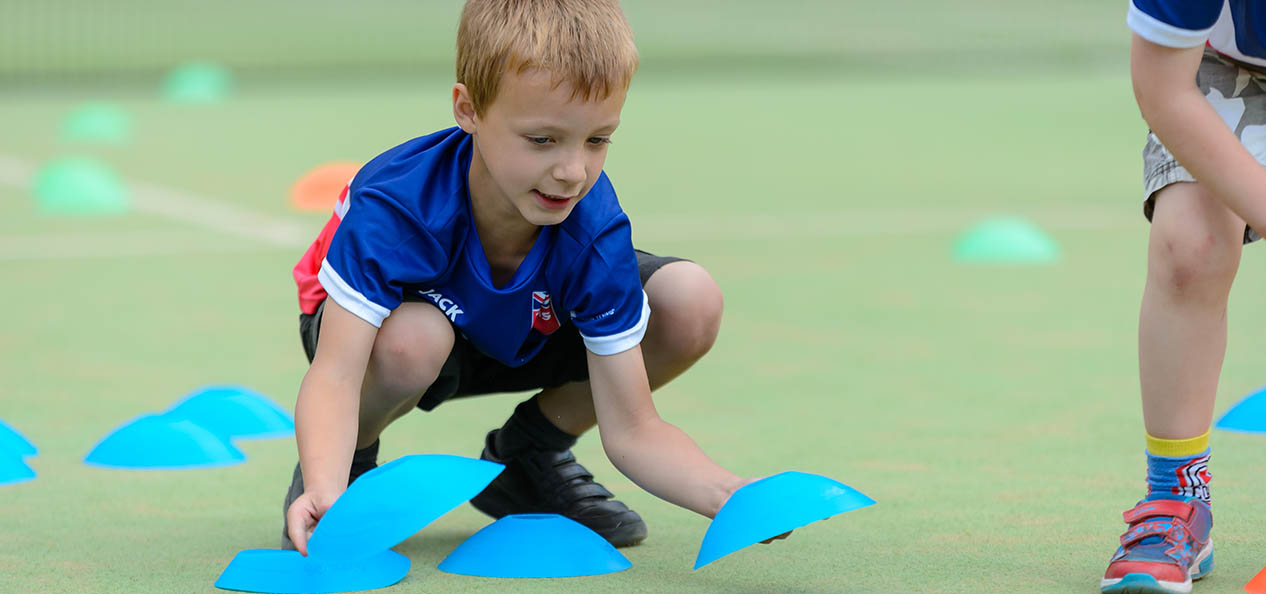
(686, 307)
(1193, 254)
(408, 354)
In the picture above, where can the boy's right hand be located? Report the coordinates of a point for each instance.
(302, 518)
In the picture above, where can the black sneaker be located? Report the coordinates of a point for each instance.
(363, 461)
(553, 482)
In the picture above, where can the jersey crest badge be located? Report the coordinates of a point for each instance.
(544, 320)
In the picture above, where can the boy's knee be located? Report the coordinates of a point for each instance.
(686, 307)
(1193, 264)
(409, 354)
(1194, 249)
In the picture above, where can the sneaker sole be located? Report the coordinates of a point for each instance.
(1142, 583)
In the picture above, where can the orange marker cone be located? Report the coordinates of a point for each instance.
(1257, 585)
(319, 188)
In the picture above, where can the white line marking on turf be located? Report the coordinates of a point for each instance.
(187, 208)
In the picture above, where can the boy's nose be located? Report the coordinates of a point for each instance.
(571, 171)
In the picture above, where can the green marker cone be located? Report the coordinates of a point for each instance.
(76, 185)
(97, 123)
(1006, 240)
(197, 82)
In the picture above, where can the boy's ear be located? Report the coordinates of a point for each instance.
(464, 109)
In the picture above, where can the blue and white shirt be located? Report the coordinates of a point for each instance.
(1235, 28)
(404, 231)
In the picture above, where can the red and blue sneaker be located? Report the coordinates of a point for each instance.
(1166, 547)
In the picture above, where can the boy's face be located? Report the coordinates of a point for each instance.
(537, 149)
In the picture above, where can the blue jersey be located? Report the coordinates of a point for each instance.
(1235, 28)
(404, 231)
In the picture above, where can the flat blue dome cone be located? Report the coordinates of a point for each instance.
(234, 412)
(1248, 416)
(774, 505)
(14, 470)
(394, 501)
(288, 572)
(535, 546)
(13, 442)
(153, 442)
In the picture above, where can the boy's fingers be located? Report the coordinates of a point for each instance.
(301, 542)
(782, 536)
(298, 525)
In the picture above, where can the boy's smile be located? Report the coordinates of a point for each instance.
(553, 202)
(537, 151)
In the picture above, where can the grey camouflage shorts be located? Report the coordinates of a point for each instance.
(1239, 96)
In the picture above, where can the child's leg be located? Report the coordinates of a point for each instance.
(408, 354)
(1193, 254)
(686, 307)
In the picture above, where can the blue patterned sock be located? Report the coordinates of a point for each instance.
(1181, 476)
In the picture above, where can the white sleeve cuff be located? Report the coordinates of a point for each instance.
(349, 298)
(1161, 33)
(618, 343)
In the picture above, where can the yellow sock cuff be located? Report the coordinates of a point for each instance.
(1178, 448)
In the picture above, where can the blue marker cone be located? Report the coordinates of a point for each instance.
(12, 442)
(234, 412)
(371, 516)
(288, 572)
(152, 442)
(535, 546)
(14, 470)
(1247, 416)
(772, 506)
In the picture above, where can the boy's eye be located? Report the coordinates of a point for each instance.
(599, 140)
(540, 140)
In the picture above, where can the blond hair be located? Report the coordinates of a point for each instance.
(585, 43)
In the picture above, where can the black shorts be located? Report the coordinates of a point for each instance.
(469, 372)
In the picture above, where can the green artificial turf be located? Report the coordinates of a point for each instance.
(992, 411)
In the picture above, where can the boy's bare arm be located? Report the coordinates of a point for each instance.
(1164, 86)
(326, 415)
(656, 455)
